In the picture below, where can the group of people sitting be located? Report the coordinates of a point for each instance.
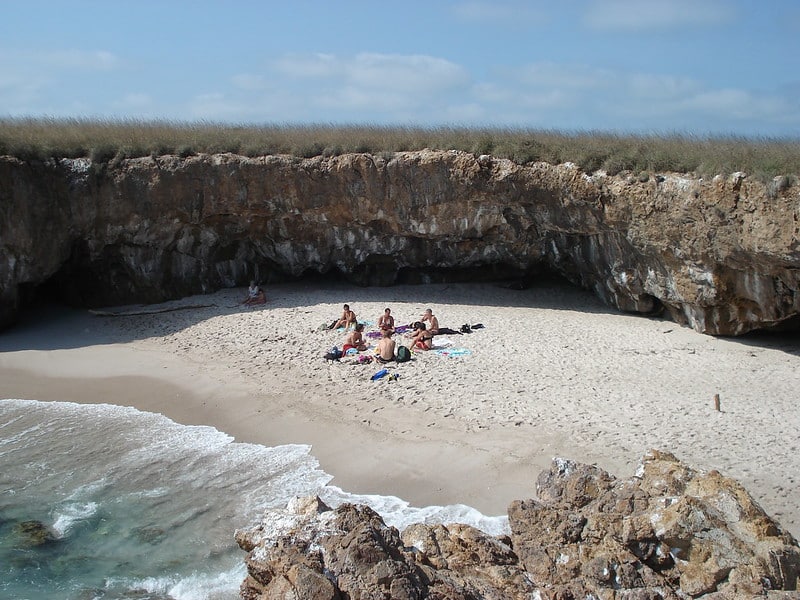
(420, 333)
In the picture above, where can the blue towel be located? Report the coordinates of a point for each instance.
(453, 352)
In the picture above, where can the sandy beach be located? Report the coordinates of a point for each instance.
(552, 373)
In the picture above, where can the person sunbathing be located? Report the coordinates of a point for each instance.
(347, 319)
(386, 347)
(433, 322)
(386, 321)
(255, 295)
(355, 340)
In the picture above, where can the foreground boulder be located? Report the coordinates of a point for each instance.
(667, 532)
(669, 529)
(721, 255)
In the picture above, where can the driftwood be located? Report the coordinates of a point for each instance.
(147, 311)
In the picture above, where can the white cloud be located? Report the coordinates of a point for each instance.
(660, 87)
(413, 73)
(376, 71)
(424, 89)
(742, 105)
(645, 15)
(313, 66)
(392, 85)
(583, 97)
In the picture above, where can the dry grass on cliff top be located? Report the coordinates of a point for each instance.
(103, 141)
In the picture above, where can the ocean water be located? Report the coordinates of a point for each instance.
(100, 501)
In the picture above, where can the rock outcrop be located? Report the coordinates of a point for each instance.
(721, 255)
(667, 532)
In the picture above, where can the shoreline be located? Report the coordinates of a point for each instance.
(554, 373)
(425, 473)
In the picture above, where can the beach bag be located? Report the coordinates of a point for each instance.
(403, 354)
(379, 374)
(333, 354)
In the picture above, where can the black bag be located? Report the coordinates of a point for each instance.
(334, 354)
(403, 354)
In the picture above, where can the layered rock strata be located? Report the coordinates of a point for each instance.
(721, 255)
(668, 532)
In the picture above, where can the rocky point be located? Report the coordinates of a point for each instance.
(668, 532)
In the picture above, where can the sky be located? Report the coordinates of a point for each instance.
(719, 67)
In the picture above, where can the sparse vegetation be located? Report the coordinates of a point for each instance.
(104, 141)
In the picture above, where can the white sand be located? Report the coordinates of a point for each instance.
(553, 372)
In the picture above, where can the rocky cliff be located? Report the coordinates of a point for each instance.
(668, 532)
(721, 255)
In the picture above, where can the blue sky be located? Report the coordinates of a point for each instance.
(649, 66)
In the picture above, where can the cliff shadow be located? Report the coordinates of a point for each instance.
(49, 322)
(46, 325)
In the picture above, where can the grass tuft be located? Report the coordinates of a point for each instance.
(114, 140)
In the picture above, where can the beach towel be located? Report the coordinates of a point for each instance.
(454, 352)
(351, 351)
(374, 334)
(441, 342)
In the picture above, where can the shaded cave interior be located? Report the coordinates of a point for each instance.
(107, 279)
(84, 280)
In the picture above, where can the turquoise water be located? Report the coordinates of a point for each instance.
(128, 504)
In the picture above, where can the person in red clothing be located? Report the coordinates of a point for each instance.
(355, 339)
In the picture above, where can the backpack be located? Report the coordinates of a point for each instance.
(403, 354)
(334, 354)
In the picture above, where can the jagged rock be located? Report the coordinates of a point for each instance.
(668, 528)
(33, 533)
(669, 532)
(721, 255)
(360, 557)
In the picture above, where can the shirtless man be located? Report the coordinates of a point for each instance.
(386, 347)
(347, 319)
(355, 340)
(386, 321)
(433, 322)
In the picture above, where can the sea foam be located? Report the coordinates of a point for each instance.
(139, 502)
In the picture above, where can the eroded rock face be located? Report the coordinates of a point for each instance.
(720, 255)
(668, 532)
(667, 528)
